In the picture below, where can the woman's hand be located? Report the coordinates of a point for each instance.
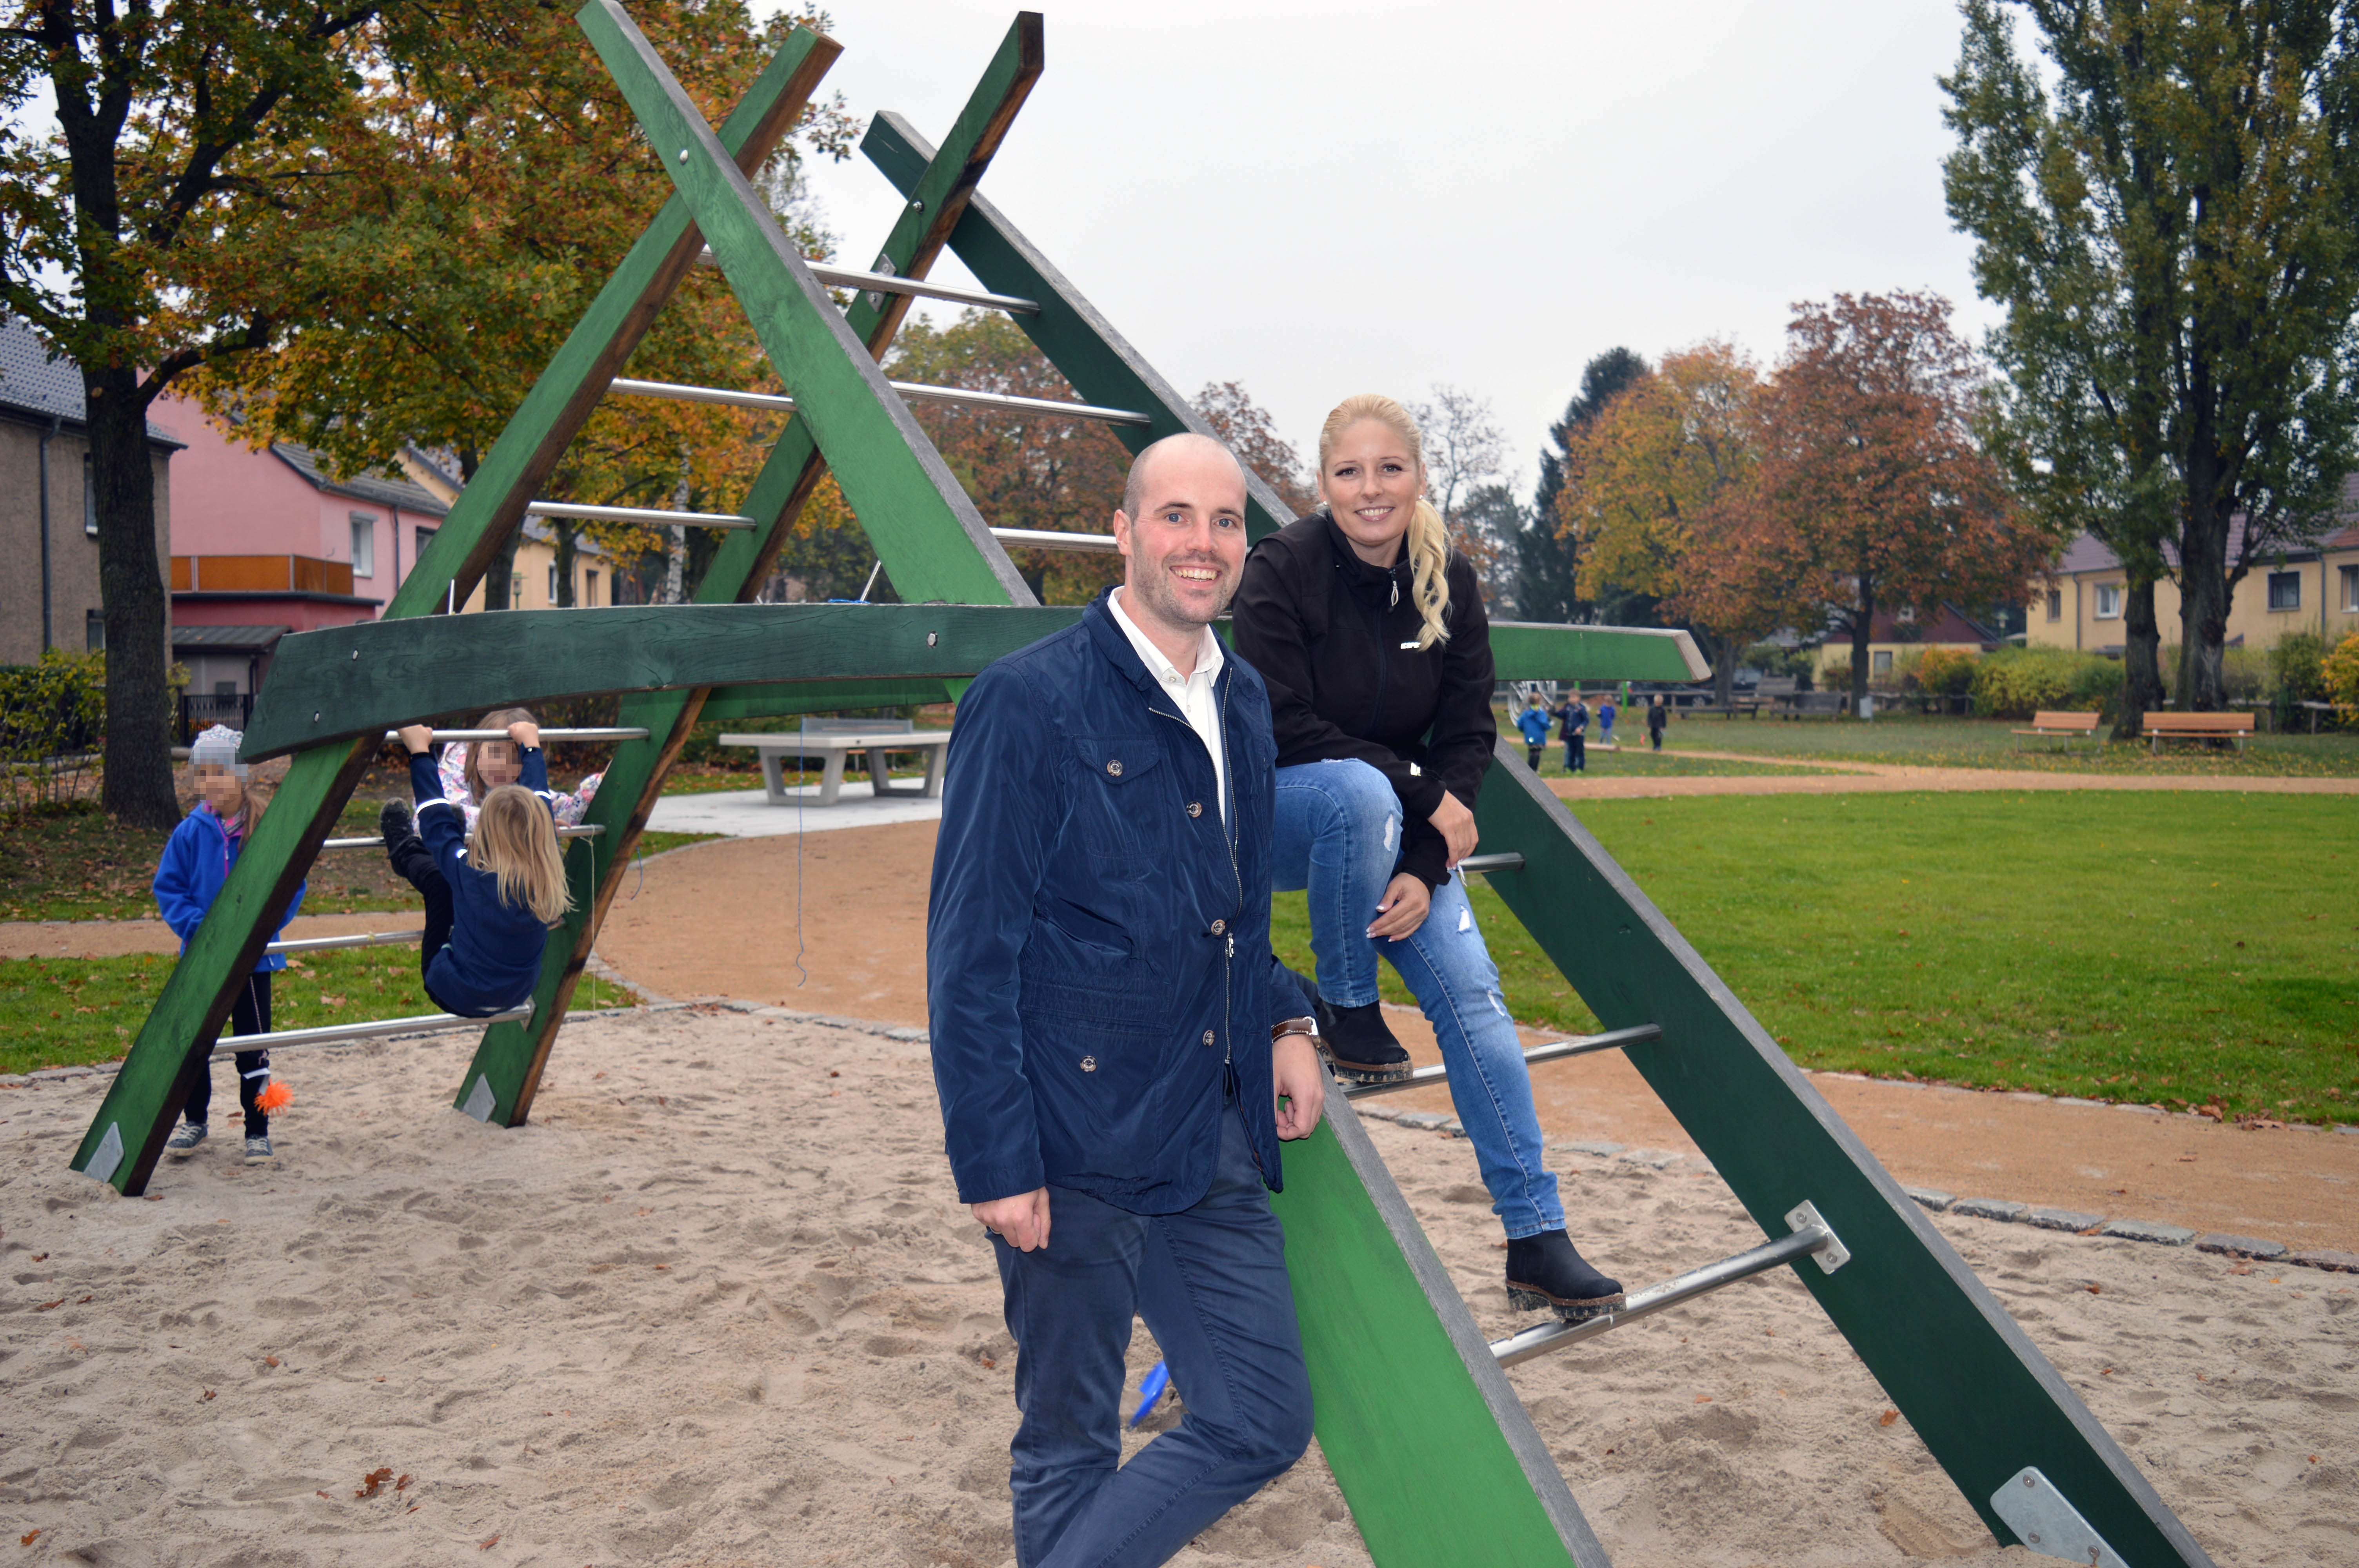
(1457, 824)
(416, 737)
(1402, 909)
(526, 735)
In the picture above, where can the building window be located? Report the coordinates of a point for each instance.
(588, 588)
(421, 537)
(552, 584)
(2109, 601)
(363, 544)
(2056, 604)
(1879, 661)
(93, 630)
(2351, 591)
(89, 497)
(2285, 590)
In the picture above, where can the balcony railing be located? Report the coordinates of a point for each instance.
(259, 574)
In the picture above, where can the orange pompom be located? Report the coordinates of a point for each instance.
(274, 1097)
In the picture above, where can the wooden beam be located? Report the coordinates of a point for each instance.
(126, 1136)
(1082, 343)
(1974, 1386)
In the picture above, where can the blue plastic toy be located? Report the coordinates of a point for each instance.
(1150, 1388)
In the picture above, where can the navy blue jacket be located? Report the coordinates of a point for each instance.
(1097, 944)
(197, 858)
(493, 960)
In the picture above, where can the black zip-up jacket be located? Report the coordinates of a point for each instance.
(1335, 641)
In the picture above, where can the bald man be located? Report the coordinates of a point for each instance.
(1118, 1053)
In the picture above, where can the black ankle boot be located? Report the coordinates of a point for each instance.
(394, 823)
(1358, 1043)
(1546, 1271)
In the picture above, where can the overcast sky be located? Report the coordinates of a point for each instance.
(1317, 198)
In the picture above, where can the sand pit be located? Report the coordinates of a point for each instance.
(718, 1305)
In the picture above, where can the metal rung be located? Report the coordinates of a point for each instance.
(587, 830)
(322, 944)
(1812, 1238)
(1508, 861)
(332, 1034)
(1051, 539)
(1579, 1045)
(910, 391)
(884, 283)
(638, 514)
(609, 733)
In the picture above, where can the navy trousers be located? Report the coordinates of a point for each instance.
(1210, 1284)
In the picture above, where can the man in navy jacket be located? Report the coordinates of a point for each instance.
(1117, 1052)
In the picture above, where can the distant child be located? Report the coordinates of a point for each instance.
(1658, 715)
(1534, 722)
(196, 862)
(470, 773)
(491, 894)
(1605, 722)
(1572, 724)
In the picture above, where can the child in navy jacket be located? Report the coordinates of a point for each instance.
(491, 895)
(196, 862)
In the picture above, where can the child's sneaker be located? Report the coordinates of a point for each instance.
(185, 1139)
(394, 823)
(257, 1150)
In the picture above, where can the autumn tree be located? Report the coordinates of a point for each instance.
(1464, 453)
(2164, 203)
(1251, 433)
(1654, 481)
(1546, 567)
(1872, 492)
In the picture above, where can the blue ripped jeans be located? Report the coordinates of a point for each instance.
(1339, 835)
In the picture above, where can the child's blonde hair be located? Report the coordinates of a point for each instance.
(498, 719)
(516, 841)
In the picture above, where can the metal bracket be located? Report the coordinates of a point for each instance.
(1835, 1254)
(2050, 1525)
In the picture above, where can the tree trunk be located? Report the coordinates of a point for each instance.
(2141, 661)
(2203, 604)
(1723, 668)
(567, 552)
(138, 788)
(1863, 630)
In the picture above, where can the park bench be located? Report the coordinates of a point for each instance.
(1804, 704)
(2161, 727)
(2065, 727)
(1768, 690)
(835, 739)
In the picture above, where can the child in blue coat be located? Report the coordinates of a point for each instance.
(491, 894)
(196, 862)
(1605, 712)
(1534, 722)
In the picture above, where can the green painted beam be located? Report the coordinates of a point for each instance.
(905, 495)
(1082, 343)
(1530, 649)
(1971, 1382)
(511, 1058)
(126, 1136)
(1435, 1454)
(728, 705)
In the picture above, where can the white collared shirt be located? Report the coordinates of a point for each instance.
(1193, 693)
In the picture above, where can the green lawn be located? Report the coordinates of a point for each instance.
(2156, 948)
(1990, 743)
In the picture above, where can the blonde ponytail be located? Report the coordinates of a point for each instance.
(1427, 542)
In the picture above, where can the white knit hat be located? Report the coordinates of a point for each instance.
(217, 747)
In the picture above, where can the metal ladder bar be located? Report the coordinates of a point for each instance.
(1579, 1045)
(1056, 540)
(889, 282)
(324, 943)
(1812, 1238)
(376, 1029)
(605, 732)
(371, 841)
(649, 514)
(910, 391)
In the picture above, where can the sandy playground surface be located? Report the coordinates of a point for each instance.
(718, 1305)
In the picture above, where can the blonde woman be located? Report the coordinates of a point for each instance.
(1369, 632)
(491, 895)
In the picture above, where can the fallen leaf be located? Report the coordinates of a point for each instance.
(40, 1257)
(317, 1493)
(1704, 1399)
(84, 1301)
(834, 1073)
(595, 1076)
(374, 1482)
(2094, 1289)
(270, 1360)
(204, 1397)
(487, 1545)
(153, 1197)
(402, 1485)
(989, 1362)
(28, 1540)
(1887, 1418)
(46, 1306)
(2106, 1373)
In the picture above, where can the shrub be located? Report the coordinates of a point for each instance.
(1773, 659)
(2338, 674)
(2244, 672)
(1949, 672)
(2016, 683)
(52, 717)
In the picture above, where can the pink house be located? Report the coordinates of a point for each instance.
(266, 542)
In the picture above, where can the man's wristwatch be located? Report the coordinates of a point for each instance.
(1307, 1027)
